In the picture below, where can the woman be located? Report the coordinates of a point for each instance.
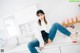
(45, 33)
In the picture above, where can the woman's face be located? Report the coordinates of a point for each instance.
(41, 16)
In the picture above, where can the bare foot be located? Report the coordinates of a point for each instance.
(74, 41)
(74, 38)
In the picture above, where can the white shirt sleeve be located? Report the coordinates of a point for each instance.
(38, 34)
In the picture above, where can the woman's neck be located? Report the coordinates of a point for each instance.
(42, 20)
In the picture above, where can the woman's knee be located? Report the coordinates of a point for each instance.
(29, 45)
(56, 24)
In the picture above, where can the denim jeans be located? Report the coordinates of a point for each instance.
(52, 33)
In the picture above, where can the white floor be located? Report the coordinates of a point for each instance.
(50, 48)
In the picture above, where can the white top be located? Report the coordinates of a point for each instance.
(38, 29)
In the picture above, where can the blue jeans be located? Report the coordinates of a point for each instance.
(52, 33)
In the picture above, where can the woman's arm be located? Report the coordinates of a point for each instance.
(38, 34)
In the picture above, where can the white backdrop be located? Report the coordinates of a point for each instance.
(26, 15)
(19, 18)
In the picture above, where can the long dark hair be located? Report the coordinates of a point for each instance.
(39, 21)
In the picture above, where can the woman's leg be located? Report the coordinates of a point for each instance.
(54, 29)
(32, 45)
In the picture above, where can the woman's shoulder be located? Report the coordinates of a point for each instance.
(48, 22)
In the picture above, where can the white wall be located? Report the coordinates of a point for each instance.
(9, 6)
(3, 31)
(55, 10)
(25, 15)
(59, 9)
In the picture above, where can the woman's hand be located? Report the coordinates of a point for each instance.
(49, 41)
(41, 48)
